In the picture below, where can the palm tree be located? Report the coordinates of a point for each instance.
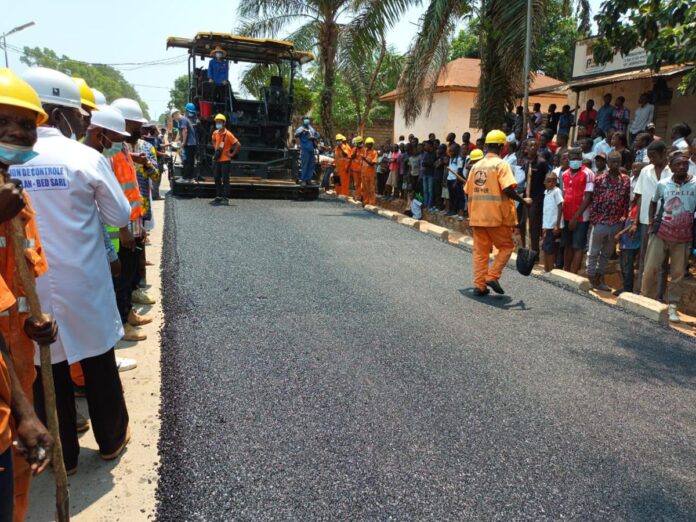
(319, 30)
(501, 37)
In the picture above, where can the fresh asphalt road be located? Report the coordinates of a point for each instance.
(323, 363)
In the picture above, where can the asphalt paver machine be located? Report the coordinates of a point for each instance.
(266, 165)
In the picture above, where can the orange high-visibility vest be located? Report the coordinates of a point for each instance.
(124, 168)
(356, 163)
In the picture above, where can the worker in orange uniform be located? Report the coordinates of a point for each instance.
(369, 169)
(490, 186)
(355, 166)
(342, 153)
(20, 113)
(226, 147)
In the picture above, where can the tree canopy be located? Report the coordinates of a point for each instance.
(665, 29)
(105, 78)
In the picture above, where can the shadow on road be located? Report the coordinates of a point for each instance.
(502, 302)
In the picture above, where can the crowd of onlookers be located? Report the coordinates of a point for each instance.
(593, 194)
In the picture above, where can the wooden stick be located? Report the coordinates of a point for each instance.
(27, 278)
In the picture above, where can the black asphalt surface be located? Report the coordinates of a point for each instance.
(323, 363)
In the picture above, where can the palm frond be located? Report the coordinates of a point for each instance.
(427, 55)
(266, 27)
(256, 9)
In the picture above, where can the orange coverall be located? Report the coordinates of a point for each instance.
(356, 171)
(368, 176)
(342, 154)
(12, 328)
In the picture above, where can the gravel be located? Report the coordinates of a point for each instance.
(323, 363)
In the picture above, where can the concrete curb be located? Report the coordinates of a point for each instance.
(568, 279)
(644, 306)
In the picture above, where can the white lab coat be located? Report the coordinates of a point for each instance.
(72, 186)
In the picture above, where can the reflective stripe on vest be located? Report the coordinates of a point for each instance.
(28, 243)
(22, 307)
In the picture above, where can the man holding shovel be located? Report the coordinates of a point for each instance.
(20, 113)
(491, 190)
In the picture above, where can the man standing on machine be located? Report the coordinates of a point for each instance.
(218, 78)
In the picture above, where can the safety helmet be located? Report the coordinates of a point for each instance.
(190, 107)
(130, 109)
(220, 117)
(475, 155)
(99, 97)
(340, 137)
(87, 97)
(53, 87)
(18, 93)
(108, 118)
(358, 139)
(369, 140)
(495, 136)
(174, 111)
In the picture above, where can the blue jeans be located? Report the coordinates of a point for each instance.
(307, 162)
(6, 486)
(428, 182)
(628, 258)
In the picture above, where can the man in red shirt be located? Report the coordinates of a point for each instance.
(608, 210)
(588, 117)
(226, 147)
(577, 191)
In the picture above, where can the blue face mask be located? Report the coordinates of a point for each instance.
(219, 126)
(15, 154)
(305, 122)
(218, 56)
(575, 164)
(113, 150)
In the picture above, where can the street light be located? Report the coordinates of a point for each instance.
(13, 31)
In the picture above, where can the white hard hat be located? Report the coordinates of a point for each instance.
(99, 96)
(110, 119)
(54, 87)
(174, 111)
(130, 109)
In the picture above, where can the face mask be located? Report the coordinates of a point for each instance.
(218, 126)
(115, 148)
(575, 164)
(73, 136)
(218, 55)
(190, 114)
(305, 122)
(15, 154)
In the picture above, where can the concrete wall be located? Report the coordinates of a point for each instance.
(680, 108)
(451, 112)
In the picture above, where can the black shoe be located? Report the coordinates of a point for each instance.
(495, 285)
(216, 202)
(303, 183)
(478, 292)
(224, 201)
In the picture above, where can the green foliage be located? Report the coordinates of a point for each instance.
(178, 95)
(666, 29)
(553, 51)
(466, 43)
(102, 77)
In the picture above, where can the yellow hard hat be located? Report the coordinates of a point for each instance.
(18, 93)
(86, 95)
(496, 137)
(369, 140)
(220, 117)
(340, 137)
(475, 155)
(358, 139)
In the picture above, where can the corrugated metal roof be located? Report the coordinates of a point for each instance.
(597, 81)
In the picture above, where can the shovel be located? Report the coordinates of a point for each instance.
(526, 257)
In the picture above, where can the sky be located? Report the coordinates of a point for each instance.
(136, 31)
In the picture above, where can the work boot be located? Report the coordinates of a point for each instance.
(672, 313)
(132, 334)
(594, 280)
(601, 285)
(140, 296)
(225, 202)
(215, 202)
(135, 319)
(480, 292)
(495, 286)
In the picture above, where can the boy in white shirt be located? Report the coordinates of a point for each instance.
(552, 220)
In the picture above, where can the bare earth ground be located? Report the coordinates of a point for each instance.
(123, 489)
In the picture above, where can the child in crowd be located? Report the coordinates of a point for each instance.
(635, 174)
(552, 220)
(630, 247)
(393, 180)
(414, 161)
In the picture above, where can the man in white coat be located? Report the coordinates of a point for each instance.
(72, 187)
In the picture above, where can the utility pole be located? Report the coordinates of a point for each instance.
(8, 33)
(527, 66)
